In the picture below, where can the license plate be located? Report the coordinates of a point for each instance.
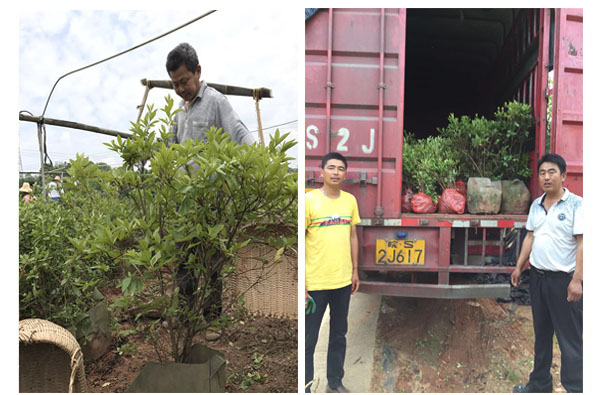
(400, 252)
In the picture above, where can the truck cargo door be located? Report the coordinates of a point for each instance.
(567, 99)
(354, 102)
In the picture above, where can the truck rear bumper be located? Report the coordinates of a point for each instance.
(436, 291)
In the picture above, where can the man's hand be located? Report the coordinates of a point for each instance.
(355, 281)
(305, 294)
(574, 291)
(515, 277)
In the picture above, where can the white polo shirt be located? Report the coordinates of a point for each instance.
(554, 243)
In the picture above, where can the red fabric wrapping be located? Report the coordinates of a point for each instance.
(422, 204)
(461, 187)
(451, 202)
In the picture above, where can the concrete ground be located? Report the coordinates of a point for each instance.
(362, 328)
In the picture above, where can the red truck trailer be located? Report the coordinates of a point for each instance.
(373, 73)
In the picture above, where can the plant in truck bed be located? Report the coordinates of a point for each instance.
(417, 166)
(476, 141)
(516, 124)
(430, 165)
(495, 148)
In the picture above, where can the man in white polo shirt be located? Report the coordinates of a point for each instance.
(554, 247)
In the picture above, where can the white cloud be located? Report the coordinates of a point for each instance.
(234, 48)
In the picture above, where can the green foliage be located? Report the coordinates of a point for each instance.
(252, 373)
(429, 165)
(496, 148)
(195, 205)
(55, 281)
(410, 159)
(440, 161)
(516, 125)
(476, 141)
(60, 169)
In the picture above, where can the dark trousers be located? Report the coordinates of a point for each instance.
(188, 283)
(339, 302)
(553, 314)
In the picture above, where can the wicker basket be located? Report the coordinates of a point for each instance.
(268, 291)
(50, 359)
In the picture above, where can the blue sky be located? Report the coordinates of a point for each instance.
(234, 48)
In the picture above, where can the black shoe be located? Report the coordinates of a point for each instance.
(527, 388)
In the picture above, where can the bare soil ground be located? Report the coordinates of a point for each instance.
(261, 354)
(434, 345)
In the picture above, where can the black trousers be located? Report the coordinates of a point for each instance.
(188, 283)
(339, 303)
(553, 314)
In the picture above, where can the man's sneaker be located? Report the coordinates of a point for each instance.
(526, 388)
(341, 388)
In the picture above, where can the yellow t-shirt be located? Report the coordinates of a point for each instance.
(327, 243)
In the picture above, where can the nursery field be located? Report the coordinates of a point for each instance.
(139, 262)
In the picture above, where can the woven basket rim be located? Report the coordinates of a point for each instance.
(39, 331)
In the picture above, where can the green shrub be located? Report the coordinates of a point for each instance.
(497, 148)
(429, 165)
(55, 281)
(194, 204)
(516, 125)
(440, 161)
(476, 141)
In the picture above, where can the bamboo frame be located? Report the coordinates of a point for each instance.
(224, 89)
(72, 125)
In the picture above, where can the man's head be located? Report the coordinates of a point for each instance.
(552, 172)
(334, 167)
(184, 70)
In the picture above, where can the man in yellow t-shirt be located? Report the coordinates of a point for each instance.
(331, 246)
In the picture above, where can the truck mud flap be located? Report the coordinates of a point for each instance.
(437, 291)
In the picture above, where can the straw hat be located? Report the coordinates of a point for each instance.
(57, 178)
(26, 188)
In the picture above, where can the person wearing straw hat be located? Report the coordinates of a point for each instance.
(54, 190)
(27, 192)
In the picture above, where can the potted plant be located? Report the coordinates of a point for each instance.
(516, 124)
(491, 151)
(417, 174)
(444, 167)
(431, 165)
(194, 206)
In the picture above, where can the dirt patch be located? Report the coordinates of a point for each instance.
(435, 345)
(261, 354)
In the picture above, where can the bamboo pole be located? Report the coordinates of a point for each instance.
(260, 131)
(224, 89)
(141, 106)
(41, 145)
(72, 125)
